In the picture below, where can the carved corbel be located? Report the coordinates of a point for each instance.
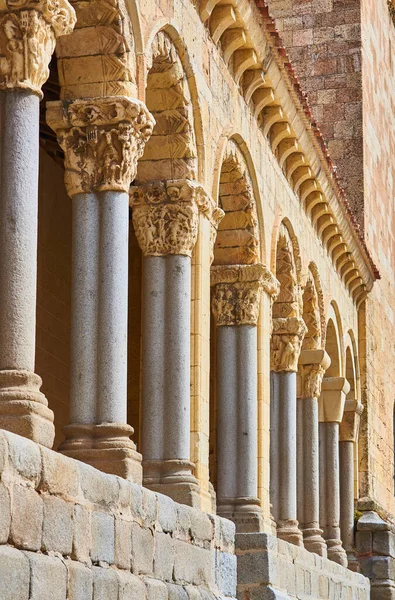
(349, 427)
(102, 139)
(311, 370)
(286, 343)
(166, 216)
(237, 293)
(332, 400)
(28, 30)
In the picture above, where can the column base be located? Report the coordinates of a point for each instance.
(106, 447)
(172, 478)
(24, 409)
(289, 531)
(336, 552)
(313, 540)
(246, 513)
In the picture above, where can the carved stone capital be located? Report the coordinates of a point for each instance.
(166, 215)
(28, 29)
(332, 400)
(312, 367)
(349, 427)
(237, 293)
(102, 139)
(286, 343)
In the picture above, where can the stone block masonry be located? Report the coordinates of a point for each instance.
(70, 532)
(272, 569)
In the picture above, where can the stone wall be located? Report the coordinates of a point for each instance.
(269, 568)
(323, 41)
(70, 531)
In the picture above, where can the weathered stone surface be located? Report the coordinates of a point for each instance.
(80, 581)
(58, 526)
(130, 587)
(167, 513)
(27, 518)
(192, 564)
(48, 577)
(123, 544)
(5, 513)
(156, 590)
(82, 533)
(142, 550)
(24, 457)
(164, 556)
(105, 584)
(103, 537)
(14, 574)
(60, 475)
(97, 487)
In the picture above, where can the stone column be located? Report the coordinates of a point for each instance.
(312, 366)
(348, 436)
(102, 140)
(165, 218)
(28, 31)
(331, 408)
(235, 303)
(287, 338)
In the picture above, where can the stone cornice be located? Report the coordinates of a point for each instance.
(287, 122)
(165, 215)
(28, 30)
(102, 139)
(237, 292)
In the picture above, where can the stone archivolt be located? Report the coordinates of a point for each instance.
(166, 216)
(27, 40)
(288, 301)
(237, 292)
(102, 139)
(311, 316)
(286, 343)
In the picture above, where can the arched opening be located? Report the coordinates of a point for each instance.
(332, 347)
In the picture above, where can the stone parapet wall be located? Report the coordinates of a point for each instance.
(269, 568)
(68, 531)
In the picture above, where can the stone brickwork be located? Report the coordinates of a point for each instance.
(269, 568)
(375, 543)
(70, 531)
(323, 41)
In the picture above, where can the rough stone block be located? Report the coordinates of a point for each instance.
(164, 556)
(382, 567)
(123, 543)
(150, 507)
(167, 513)
(5, 513)
(60, 474)
(156, 590)
(201, 528)
(82, 534)
(130, 587)
(48, 577)
(257, 567)
(27, 518)
(102, 537)
(3, 451)
(24, 457)
(14, 574)
(97, 487)
(383, 543)
(58, 526)
(256, 541)
(192, 564)
(176, 592)
(226, 573)
(142, 550)
(136, 502)
(364, 541)
(105, 584)
(80, 581)
(183, 530)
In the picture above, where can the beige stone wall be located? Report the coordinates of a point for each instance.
(378, 321)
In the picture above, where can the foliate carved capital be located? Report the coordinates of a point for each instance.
(237, 293)
(28, 29)
(286, 343)
(102, 139)
(311, 380)
(166, 215)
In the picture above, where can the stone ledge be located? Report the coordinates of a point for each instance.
(104, 529)
(269, 568)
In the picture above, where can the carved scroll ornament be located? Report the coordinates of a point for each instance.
(286, 343)
(28, 29)
(102, 139)
(166, 216)
(237, 293)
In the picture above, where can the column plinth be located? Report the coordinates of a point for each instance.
(236, 299)
(27, 40)
(331, 409)
(102, 139)
(286, 342)
(166, 218)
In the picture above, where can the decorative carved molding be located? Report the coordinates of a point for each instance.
(27, 40)
(311, 380)
(166, 216)
(311, 316)
(286, 343)
(237, 293)
(102, 139)
(287, 304)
